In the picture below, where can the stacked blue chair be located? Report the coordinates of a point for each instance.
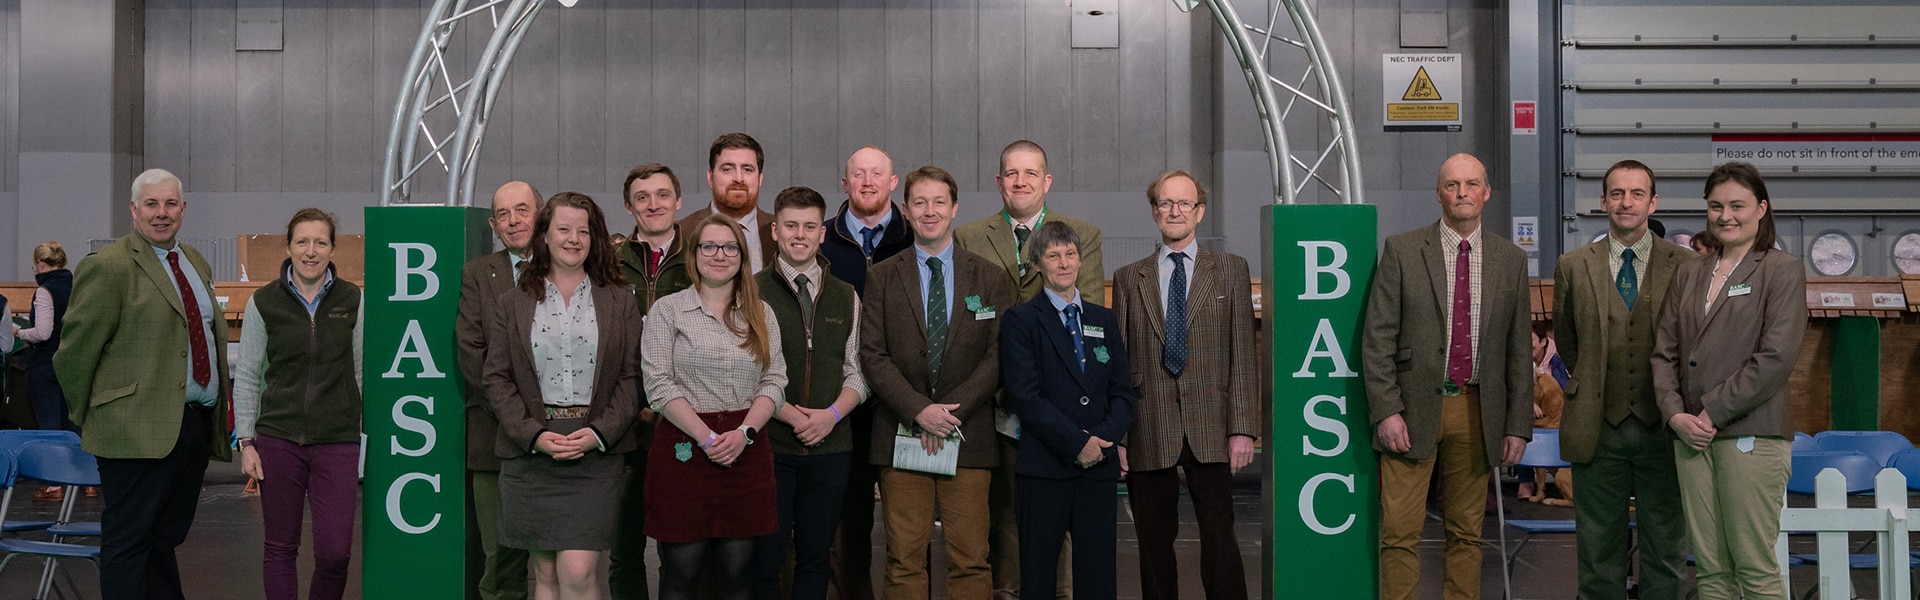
(1877, 445)
(1804, 443)
(1542, 453)
(11, 440)
(56, 464)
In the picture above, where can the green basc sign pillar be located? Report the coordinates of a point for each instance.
(413, 497)
(1323, 529)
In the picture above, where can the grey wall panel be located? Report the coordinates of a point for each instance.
(629, 93)
(815, 33)
(678, 140)
(395, 24)
(583, 98)
(722, 76)
(1003, 87)
(863, 78)
(352, 150)
(9, 94)
(956, 144)
(303, 79)
(1190, 88)
(767, 112)
(1143, 80)
(1095, 154)
(169, 85)
(260, 135)
(909, 61)
(1049, 75)
(210, 162)
(535, 81)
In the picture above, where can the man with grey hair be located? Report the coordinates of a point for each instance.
(142, 361)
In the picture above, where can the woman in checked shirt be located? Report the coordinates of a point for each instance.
(711, 368)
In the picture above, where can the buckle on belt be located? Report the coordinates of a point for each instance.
(566, 412)
(1451, 389)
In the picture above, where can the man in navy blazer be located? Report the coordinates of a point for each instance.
(1066, 375)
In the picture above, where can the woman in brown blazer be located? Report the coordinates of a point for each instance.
(563, 376)
(1728, 339)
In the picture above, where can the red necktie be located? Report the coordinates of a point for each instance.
(196, 333)
(1460, 353)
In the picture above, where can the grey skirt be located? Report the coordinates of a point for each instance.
(548, 504)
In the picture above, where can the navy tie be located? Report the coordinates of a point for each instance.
(866, 242)
(1073, 327)
(1174, 354)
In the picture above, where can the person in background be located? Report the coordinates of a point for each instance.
(819, 317)
(1073, 416)
(1729, 336)
(296, 410)
(563, 376)
(53, 286)
(716, 369)
(502, 571)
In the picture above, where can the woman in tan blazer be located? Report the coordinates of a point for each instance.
(1728, 339)
(563, 376)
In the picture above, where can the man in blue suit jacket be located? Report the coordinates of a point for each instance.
(1066, 375)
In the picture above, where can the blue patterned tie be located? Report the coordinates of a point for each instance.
(1073, 327)
(1174, 355)
(1628, 282)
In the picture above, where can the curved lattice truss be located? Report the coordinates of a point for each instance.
(440, 121)
(1318, 92)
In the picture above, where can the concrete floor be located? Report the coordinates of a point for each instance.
(221, 557)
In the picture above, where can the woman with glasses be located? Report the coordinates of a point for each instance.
(1728, 340)
(296, 410)
(563, 376)
(711, 369)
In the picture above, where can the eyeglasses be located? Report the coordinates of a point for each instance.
(1169, 205)
(710, 248)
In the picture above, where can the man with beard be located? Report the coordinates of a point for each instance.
(734, 164)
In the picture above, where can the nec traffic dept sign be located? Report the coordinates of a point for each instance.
(414, 494)
(1323, 483)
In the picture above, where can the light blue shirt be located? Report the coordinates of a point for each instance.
(946, 269)
(313, 306)
(1164, 263)
(1060, 304)
(208, 312)
(516, 261)
(853, 225)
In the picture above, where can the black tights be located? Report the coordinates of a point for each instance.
(681, 564)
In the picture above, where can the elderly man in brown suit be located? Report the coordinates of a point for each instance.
(734, 164)
(929, 342)
(1187, 316)
(1607, 301)
(503, 570)
(1449, 376)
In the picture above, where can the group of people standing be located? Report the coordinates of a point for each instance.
(762, 372)
(1676, 418)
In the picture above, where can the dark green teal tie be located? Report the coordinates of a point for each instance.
(936, 317)
(1628, 283)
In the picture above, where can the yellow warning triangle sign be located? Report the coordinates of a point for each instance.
(1421, 88)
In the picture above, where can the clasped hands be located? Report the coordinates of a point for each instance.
(571, 446)
(1696, 430)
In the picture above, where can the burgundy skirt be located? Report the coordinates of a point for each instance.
(690, 498)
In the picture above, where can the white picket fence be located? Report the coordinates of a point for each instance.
(1889, 519)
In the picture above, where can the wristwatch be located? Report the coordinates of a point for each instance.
(246, 442)
(750, 431)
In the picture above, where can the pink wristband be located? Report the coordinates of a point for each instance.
(836, 413)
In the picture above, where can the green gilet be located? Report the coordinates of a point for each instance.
(813, 366)
(308, 394)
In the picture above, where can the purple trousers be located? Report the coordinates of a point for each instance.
(327, 477)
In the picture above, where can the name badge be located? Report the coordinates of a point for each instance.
(1739, 289)
(1093, 331)
(984, 315)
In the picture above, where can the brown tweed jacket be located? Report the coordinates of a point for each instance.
(1218, 393)
(893, 351)
(482, 281)
(1585, 304)
(1733, 362)
(513, 385)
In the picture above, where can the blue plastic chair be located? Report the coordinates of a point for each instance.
(1804, 443)
(1907, 462)
(57, 464)
(63, 525)
(1541, 453)
(1878, 445)
(9, 471)
(13, 439)
(1858, 469)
